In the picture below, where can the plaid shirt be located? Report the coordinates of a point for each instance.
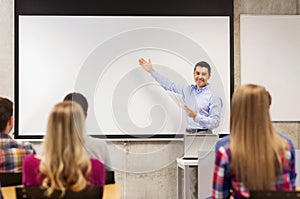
(225, 182)
(13, 153)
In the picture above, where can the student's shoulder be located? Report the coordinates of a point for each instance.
(95, 144)
(289, 140)
(30, 165)
(91, 139)
(223, 142)
(97, 164)
(20, 143)
(27, 145)
(13, 143)
(32, 159)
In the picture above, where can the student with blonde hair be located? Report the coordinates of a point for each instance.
(65, 163)
(253, 156)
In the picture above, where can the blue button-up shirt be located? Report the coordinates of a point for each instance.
(203, 101)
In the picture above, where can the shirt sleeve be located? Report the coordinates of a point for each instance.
(287, 179)
(30, 171)
(168, 84)
(24, 171)
(292, 168)
(212, 120)
(221, 179)
(29, 148)
(98, 173)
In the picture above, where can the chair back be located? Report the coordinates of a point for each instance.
(110, 177)
(10, 179)
(277, 194)
(93, 192)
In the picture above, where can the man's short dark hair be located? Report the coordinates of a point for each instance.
(78, 98)
(203, 64)
(6, 112)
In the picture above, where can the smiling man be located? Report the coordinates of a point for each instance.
(203, 107)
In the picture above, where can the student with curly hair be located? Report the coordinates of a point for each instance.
(65, 163)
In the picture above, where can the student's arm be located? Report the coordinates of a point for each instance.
(30, 149)
(292, 167)
(221, 178)
(30, 171)
(98, 173)
(289, 182)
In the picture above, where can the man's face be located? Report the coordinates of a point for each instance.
(201, 76)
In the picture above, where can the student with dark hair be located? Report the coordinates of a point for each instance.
(253, 156)
(12, 152)
(80, 99)
(96, 148)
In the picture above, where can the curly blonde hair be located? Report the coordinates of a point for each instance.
(65, 163)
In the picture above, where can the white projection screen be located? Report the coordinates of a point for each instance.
(98, 57)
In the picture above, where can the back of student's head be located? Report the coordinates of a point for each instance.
(250, 108)
(80, 99)
(66, 123)
(6, 112)
(254, 145)
(64, 155)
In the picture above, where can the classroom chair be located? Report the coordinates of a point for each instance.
(93, 192)
(274, 194)
(110, 177)
(111, 191)
(10, 179)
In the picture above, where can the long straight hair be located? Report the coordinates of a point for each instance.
(65, 163)
(254, 146)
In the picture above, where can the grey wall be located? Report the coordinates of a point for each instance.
(6, 48)
(159, 182)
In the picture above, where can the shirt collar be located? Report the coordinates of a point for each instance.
(201, 90)
(3, 135)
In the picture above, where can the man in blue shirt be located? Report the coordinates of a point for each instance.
(203, 107)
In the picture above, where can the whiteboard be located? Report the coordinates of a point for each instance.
(270, 56)
(98, 57)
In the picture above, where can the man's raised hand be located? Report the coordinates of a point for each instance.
(147, 65)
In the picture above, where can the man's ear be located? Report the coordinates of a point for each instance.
(10, 123)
